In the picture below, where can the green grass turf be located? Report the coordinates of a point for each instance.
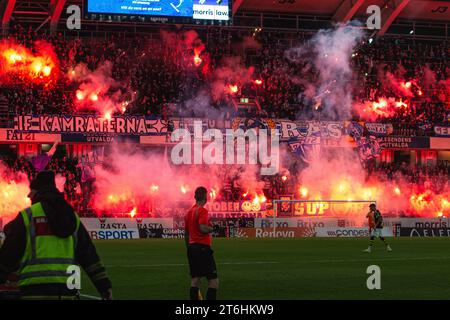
(305, 268)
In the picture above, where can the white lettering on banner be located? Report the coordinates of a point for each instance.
(425, 232)
(236, 214)
(230, 206)
(309, 222)
(324, 129)
(260, 233)
(210, 12)
(379, 128)
(442, 131)
(139, 125)
(173, 233)
(435, 232)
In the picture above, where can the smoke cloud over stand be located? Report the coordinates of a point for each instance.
(328, 54)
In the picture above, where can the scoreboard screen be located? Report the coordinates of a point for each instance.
(214, 10)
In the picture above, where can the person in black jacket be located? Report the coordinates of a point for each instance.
(61, 221)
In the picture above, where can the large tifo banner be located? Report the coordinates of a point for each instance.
(306, 139)
(91, 128)
(303, 136)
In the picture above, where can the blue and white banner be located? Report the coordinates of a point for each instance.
(379, 129)
(398, 142)
(368, 146)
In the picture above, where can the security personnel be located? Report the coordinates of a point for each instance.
(44, 240)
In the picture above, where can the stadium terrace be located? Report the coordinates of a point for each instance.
(285, 149)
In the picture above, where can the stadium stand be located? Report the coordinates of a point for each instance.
(158, 86)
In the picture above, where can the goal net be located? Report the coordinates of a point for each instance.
(285, 209)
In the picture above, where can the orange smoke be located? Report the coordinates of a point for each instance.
(13, 194)
(18, 63)
(389, 197)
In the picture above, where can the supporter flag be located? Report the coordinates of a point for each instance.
(304, 148)
(355, 130)
(368, 146)
(425, 126)
(40, 161)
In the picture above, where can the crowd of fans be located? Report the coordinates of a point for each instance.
(70, 176)
(434, 178)
(160, 72)
(159, 76)
(78, 186)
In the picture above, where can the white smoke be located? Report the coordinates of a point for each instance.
(328, 56)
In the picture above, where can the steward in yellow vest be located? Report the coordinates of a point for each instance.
(45, 241)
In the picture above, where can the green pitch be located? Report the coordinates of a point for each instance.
(308, 268)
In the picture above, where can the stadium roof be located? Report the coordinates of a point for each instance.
(436, 12)
(342, 10)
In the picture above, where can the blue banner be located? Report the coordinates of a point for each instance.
(396, 142)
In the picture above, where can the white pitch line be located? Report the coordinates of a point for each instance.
(374, 259)
(185, 264)
(274, 262)
(89, 297)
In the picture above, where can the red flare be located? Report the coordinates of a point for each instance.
(133, 212)
(197, 61)
(18, 62)
(233, 88)
(80, 95)
(94, 97)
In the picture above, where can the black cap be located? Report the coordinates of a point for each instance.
(372, 205)
(43, 180)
